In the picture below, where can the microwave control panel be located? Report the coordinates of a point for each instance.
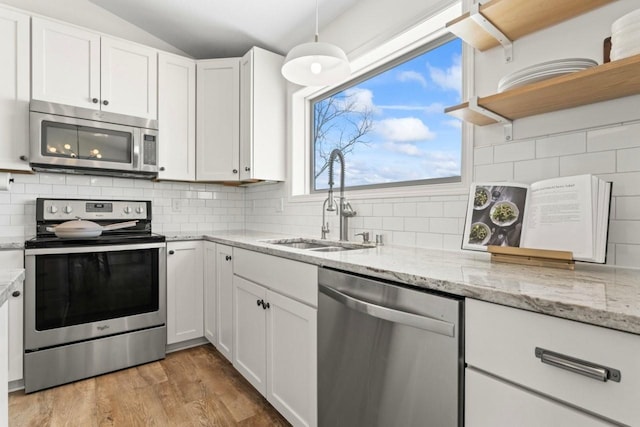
(95, 209)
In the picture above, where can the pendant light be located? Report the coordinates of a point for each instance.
(316, 63)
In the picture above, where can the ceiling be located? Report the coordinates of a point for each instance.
(224, 28)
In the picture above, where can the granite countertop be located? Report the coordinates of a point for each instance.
(595, 294)
(9, 280)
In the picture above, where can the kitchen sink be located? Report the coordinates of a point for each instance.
(317, 245)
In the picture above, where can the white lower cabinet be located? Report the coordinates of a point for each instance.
(210, 290)
(15, 305)
(224, 300)
(4, 365)
(185, 307)
(508, 384)
(275, 332)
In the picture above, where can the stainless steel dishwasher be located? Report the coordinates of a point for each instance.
(388, 355)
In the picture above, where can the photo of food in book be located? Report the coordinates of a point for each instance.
(496, 216)
(565, 214)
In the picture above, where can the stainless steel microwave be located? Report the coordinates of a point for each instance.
(80, 140)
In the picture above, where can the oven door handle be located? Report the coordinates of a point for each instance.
(87, 249)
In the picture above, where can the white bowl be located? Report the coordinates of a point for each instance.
(625, 20)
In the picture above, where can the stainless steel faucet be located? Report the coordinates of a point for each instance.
(345, 209)
(325, 225)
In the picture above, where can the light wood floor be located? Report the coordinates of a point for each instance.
(193, 387)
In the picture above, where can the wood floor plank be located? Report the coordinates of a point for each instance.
(193, 387)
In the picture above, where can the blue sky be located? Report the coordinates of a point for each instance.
(411, 137)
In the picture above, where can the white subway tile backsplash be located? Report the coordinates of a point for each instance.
(393, 223)
(616, 137)
(534, 170)
(404, 209)
(627, 255)
(595, 163)
(624, 184)
(77, 180)
(561, 145)
(403, 238)
(627, 232)
(417, 224)
(430, 240)
(483, 156)
(430, 209)
(455, 209)
(627, 208)
(514, 151)
(495, 172)
(443, 225)
(628, 160)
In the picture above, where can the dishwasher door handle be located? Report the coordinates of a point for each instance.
(417, 321)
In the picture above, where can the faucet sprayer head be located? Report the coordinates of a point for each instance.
(331, 204)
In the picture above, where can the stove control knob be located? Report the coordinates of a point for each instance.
(140, 209)
(53, 209)
(68, 209)
(127, 210)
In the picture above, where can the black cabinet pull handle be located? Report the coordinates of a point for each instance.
(172, 252)
(268, 306)
(23, 158)
(235, 171)
(259, 302)
(15, 294)
(161, 168)
(228, 257)
(247, 168)
(94, 100)
(105, 102)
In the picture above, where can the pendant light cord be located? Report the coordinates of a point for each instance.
(316, 37)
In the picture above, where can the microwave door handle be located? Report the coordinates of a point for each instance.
(137, 148)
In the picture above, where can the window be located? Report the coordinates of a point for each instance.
(390, 124)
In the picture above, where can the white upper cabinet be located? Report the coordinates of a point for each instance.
(177, 117)
(262, 116)
(81, 68)
(129, 78)
(66, 64)
(14, 91)
(218, 117)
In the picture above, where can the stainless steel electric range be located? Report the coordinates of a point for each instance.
(92, 305)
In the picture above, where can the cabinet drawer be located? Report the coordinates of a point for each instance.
(503, 342)
(291, 278)
(490, 402)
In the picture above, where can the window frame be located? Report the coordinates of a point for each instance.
(365, 60)
(386, 66)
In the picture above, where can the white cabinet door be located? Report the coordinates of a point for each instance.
(129, 81)
(15, 260)
(177, 117)
(262, 120)
(4, 365)
(493, 403)
(65, 64)
(210, 290)
(224, 300)
(14, 91)
(16, 328)
(292, 359)
(218, 120)
(184, 291)
(250, 335)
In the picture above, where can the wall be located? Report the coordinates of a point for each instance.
(602, 139)
(201, 207)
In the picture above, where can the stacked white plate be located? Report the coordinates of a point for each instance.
(625, 36)
(544, 71)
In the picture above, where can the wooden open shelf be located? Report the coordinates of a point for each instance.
(612, 80)
(517, 18)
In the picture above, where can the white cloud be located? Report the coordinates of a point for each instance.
(436, 107)
(412, 76)
(454, 123)
(404, 148)
(362, 99)
(405, 129)
(449, 78)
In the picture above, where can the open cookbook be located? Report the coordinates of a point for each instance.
(565, 214)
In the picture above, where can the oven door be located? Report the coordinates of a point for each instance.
(74, 294)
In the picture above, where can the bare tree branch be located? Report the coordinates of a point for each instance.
(339, 123)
